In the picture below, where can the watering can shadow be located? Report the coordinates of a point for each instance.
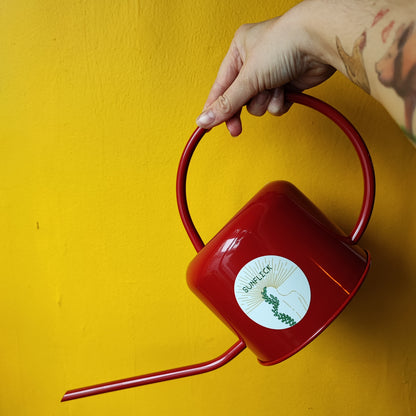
(278, 273)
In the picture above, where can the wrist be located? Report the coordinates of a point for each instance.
(323, 21)
(317, 37)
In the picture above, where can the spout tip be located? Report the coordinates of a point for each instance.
(70, 395)
(65, 397)
(79, 393)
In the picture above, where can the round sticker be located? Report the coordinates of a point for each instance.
(273, 292)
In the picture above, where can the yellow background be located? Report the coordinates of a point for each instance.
(97, 99)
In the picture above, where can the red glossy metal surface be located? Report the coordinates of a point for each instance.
(279, 221)
(156, 377)
(328, 111)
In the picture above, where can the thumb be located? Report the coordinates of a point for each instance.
(228, 104)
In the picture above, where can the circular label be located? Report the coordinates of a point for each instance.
(273, 292)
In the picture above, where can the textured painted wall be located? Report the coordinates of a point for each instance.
(97, 99)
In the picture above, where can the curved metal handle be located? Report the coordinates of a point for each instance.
(322, 107)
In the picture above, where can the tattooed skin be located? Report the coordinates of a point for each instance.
(397, 70)
(354, 63)
(386, 31)
(379, 16)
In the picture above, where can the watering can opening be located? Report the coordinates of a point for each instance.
(277, 274)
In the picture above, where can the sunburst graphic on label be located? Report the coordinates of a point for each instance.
(273, 292)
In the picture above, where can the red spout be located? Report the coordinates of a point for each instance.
(157, 377)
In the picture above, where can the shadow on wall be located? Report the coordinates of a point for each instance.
(380, 311)
(381, 316)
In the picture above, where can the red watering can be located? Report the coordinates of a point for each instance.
(278, 273)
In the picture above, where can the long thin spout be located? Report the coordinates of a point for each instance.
(157, 377)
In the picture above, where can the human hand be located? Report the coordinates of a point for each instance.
(263, 60)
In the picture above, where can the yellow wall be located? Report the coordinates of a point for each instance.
(97, 99)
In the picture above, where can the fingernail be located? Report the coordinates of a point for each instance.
(206, 118)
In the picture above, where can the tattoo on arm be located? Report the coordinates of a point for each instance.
(397, 70)
(386, 31)
(354, 63)
(379, 16)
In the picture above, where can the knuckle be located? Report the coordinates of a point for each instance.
(257, 106)
(224, 105)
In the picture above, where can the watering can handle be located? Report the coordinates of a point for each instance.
(327, 110)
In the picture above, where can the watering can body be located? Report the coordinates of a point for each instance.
(278, 273)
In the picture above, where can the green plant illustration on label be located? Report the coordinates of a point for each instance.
(273, 292)
(272, 300)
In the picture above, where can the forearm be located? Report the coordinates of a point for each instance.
(373, 43)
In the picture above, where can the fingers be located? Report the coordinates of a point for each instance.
(227, 73)
(272, 101)
(259, 104)
(234, 125)
(243, 79)
(228, 103)
(223, 109)
(277, 104)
